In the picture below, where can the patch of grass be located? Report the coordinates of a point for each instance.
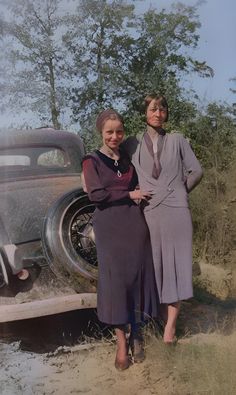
(201, 294)
(203, 365)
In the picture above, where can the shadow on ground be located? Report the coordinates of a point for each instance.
(45, 334)
(206, 313)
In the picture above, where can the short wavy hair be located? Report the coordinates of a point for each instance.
(157, 97)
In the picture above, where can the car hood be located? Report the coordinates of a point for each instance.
(24, 204)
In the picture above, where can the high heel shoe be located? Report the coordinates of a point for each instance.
(122, 365)
(137, 349)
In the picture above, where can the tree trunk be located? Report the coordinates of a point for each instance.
(99, 66)
(53, 106)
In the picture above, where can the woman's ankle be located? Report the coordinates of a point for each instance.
(169, 333)
(121, 343)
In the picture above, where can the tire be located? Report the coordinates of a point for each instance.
(3, 271)
(68, 239)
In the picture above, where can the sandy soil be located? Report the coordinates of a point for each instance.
(88, 371)
(89, 368)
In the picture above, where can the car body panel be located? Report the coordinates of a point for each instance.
(37, 168)
(27, 201)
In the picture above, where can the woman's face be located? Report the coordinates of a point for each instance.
(112, 133)
(156, 114)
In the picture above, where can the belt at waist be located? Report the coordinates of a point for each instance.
(123, 202)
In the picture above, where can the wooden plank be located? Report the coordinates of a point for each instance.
(56, 305)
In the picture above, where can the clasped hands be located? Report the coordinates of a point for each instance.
(138, 195)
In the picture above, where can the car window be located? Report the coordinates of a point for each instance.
(52, 158)
(14, 160)
(35, 161)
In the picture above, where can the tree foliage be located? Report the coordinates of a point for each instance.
(160, 56)
(213, 138)
(99, 45)
(35, 56)
(101, 54)
(234, 81)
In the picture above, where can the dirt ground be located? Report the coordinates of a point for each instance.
(87, 367)
(88, 371)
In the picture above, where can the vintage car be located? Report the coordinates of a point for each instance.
(45, 225)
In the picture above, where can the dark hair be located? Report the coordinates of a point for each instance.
(159, 98)
(105, 115)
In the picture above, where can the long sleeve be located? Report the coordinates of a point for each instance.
(96, 191)
(191, 165)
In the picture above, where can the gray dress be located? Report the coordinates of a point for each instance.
(167, 214)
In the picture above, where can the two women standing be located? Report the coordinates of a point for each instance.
(167, 170)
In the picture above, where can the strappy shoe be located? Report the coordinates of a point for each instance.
(125, 363)
(122, 365)
(137, 350)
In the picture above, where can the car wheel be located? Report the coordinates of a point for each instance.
(68, 239)
(3, 270)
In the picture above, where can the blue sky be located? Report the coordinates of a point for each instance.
(217, 46)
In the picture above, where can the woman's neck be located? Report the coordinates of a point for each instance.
(111, 153)
(153, 132)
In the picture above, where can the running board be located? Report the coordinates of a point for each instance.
(40, 308)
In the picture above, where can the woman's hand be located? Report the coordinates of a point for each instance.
(137, 194)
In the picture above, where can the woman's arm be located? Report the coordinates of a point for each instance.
(191, 165)
(96, 191)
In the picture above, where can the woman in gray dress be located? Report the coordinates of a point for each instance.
(168, 169)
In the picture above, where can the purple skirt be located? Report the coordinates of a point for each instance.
(126, 283)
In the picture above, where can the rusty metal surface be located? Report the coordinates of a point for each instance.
(10, 138)
(26, 192)
(23, 204)
(42, 284)
(26, 195)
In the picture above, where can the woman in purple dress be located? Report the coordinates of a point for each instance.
(126, 285)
